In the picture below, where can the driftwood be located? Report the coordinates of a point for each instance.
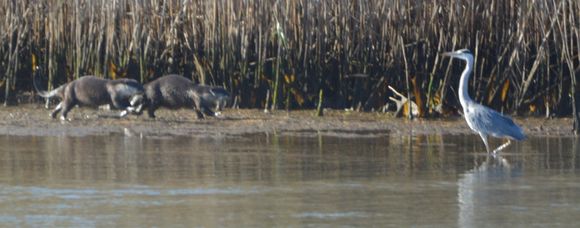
(403, 104)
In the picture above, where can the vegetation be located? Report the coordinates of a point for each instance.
(284, 54)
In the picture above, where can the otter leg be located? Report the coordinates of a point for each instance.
(197, 111)
(218, 106)
(126, 111)
(56, 110)
(151, 110)
(136, 104)
(67, 105)
(199, 108)
(119, 104)
(207, 111)
(135, 110)
(123, 113)
(199, 114)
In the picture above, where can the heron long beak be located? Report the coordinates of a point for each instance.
(450, 54)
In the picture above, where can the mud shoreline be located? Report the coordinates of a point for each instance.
(34, 120)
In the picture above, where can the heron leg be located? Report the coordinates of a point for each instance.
(484, 138)
(503, 146)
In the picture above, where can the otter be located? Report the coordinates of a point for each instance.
(175, 91)
(124, 94)
(215, 96)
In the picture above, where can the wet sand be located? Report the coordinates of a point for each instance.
(33, 119)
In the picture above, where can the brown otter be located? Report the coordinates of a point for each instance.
(175, 91)
(212, 96)
(123, 94)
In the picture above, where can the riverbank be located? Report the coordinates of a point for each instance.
(33, 119)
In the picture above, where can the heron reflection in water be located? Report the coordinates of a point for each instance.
(485, 188)
(482, 119)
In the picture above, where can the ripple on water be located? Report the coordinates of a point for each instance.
(332, 215)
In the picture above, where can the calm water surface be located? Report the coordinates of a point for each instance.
(265, 180)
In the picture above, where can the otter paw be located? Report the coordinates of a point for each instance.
(123, 113)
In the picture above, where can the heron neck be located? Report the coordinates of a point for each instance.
(463, 83)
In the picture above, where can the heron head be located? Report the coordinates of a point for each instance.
(464, 54)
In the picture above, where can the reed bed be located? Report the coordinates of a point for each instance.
(285, 54)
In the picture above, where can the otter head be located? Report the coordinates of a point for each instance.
(221, 97)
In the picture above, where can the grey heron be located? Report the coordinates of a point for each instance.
(482, 119)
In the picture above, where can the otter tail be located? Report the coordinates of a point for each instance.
(44, 93)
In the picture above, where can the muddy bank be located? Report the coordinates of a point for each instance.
(33, 119)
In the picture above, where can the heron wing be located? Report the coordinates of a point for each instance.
(488, 121)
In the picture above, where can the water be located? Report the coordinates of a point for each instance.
(298, 180)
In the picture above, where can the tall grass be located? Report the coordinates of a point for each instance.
(527, 52)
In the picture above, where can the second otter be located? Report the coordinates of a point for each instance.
(175, 91)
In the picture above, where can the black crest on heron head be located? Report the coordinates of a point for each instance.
(466, 51)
